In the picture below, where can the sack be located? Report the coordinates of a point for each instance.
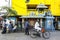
(43, 30)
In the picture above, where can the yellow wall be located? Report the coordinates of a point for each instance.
(21, 8)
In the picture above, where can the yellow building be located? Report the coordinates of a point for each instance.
(25, 7)
(22, 7)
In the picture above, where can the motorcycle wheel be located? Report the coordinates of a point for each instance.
(46, 35)
(33, 35)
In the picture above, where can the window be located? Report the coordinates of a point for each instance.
(48, 6)
(27, 1)
(31, 7)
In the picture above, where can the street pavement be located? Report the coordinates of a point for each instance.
(21, 36)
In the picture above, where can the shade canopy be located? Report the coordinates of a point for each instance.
(42, 6)
(31, 17)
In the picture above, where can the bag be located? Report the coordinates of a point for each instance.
(42, 30)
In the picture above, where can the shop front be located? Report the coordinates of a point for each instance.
(19, 23)
(32, 20)
(57, 22)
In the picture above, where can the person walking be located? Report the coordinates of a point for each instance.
(26, 27)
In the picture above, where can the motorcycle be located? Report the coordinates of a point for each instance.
(41, 33)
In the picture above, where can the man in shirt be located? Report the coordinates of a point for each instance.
(26, 27)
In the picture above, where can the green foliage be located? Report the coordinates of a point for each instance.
(10, 11)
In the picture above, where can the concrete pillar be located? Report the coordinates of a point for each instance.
(56, 19)
(41, 22)
(56, 25)
(22, 22)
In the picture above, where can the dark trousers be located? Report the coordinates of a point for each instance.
(4, 30)
(27, 31)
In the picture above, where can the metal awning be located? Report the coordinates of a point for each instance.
(31, 17)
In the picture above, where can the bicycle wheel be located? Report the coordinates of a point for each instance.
(46, 35)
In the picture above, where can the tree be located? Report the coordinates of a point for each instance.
(10, 12)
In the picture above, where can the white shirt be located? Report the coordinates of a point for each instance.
(37, 26)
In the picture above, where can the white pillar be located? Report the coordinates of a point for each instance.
(22, 22)
(41, 22)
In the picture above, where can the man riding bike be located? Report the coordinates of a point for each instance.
(37, 26)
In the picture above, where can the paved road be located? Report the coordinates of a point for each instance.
(21, 36)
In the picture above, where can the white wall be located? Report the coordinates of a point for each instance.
(5, 3)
